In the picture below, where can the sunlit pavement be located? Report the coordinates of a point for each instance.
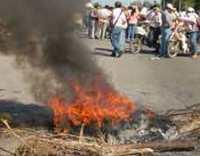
(159, 84)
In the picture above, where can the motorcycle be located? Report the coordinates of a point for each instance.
(179, 43)
(141, 38)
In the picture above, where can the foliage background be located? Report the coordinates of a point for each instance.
(184, 3)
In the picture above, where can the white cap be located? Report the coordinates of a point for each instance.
(170, 6)
(89, 5)
(190, 9)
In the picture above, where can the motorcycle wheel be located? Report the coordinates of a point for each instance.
(173, 49)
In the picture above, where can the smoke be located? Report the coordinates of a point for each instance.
(45, 44)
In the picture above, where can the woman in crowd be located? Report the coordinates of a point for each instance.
(132, 22)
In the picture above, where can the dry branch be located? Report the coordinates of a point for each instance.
(6, 151)
(162, 146)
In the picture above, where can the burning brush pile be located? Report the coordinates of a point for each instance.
(99, 121)
(90, 118)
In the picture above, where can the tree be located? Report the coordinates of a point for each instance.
(197, 4)
(183, 4)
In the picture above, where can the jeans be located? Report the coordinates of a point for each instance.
(131, 32)
(118, 40)
(193, 40)
(92, 28)
(165, 35)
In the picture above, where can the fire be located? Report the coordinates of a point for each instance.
(92, 105)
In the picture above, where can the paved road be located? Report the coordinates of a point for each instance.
(160, 84)
(12, 84)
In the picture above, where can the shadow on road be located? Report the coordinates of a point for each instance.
(103, 52)
(29, 115)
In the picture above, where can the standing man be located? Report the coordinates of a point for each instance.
(155, 19)
(168, 19)
(104, 16)
(119, 26)
(93, 21)
(192, 27)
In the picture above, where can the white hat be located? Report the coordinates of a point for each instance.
(89, 5)
(190, 9)
(170, 6)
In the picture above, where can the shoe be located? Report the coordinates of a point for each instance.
(195, 56)
(154, 58)
(113, 55)
(119, 54)
(160, 55)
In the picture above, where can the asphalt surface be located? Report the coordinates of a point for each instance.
(13, 86)
(157, 84)
(160, 84)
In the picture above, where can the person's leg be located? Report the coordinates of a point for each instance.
(89, 28)
(156, 35)
(104, 30)
(92, 33)
(129, 32)
(115, 35)
(97, 29)
(151, 37)
(193, 40)
(168, 34)
(134, 27)
(101, 31)
(133, 31)
(121, 41)
(165, 35)
(162, 47)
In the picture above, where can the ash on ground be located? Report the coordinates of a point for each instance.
(142, 128)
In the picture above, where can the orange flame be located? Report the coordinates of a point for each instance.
(93, 104)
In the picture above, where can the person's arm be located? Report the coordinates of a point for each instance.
(160, 19)
(188, 20)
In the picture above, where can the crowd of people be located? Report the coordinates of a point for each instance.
(119, 24)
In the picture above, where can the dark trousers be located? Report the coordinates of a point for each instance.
(154, 37)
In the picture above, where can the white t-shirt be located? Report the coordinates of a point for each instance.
(104, 15)
(122, 21)
(191, 20)
(155, 19)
